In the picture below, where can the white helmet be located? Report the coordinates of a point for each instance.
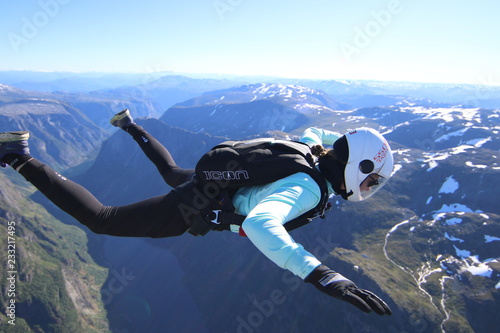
(369, 165)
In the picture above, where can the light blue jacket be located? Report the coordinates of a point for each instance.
(268, 207)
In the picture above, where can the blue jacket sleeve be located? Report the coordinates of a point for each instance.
(270, 206)
(317, 136)
(264, 227)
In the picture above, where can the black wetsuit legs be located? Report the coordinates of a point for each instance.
(155, 217)
(160, 156)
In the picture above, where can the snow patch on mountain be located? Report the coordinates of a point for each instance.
(432, 158)
(453, 220)
(472, 165)
(447, 114)
(489, 239)
(478, 142)
(397, 167)
(7, 89)
(450, 185)
(438, 216)
(303, 107)
(453, 239)
(461, 253)
(460, 149)
(285, 91)
(456, 207)
(445, 137)
(474, 266)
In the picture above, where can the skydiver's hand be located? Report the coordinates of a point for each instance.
(336, 285)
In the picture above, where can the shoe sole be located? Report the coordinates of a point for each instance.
(119, 116)
(14, 136)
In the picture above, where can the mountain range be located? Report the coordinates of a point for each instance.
(428, 244)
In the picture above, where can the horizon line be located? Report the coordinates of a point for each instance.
(264, 76)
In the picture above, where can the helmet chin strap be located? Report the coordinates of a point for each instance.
(346, 195)
(333, 170)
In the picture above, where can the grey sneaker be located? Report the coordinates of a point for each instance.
(122, 119)
(13, 143)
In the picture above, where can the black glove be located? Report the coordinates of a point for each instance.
(336, 285)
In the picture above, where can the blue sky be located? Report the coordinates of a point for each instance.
(403, 40)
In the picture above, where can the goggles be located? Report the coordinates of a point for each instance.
(371, 184)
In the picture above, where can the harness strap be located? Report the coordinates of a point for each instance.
(223, 220)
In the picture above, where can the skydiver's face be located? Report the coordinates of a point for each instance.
(371, 180)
